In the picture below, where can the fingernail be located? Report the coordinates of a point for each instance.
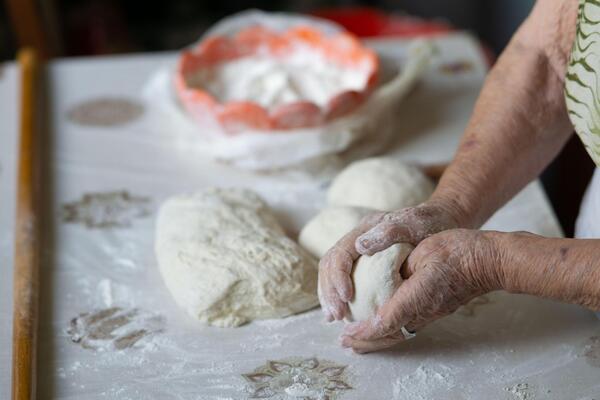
(345, 341)
(362, 243)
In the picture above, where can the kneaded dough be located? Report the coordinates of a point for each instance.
(329, 226)
(383, 183)
(227, 261)
(376, 279)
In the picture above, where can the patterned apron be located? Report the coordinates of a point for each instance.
(582, 85)
(582, 93)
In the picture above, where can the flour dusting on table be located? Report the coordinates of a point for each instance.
(115, 329)
(101, 259)
(423, 382)
(521, 391)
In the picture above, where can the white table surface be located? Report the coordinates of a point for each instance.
(507, 347)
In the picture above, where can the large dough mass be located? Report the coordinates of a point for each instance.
(227, 261)
(376, 278)
(384, 183)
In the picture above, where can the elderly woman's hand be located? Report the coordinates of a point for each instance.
(375, 233)
(444, 272)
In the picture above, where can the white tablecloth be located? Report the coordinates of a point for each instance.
(109, 168)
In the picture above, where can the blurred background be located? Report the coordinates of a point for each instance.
(65, 28)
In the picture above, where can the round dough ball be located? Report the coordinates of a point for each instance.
(376, 278)
(383, 183)
(329, 226)
(227, 261)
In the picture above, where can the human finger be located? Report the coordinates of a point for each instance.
(338, 261)
(331, 305)
(382, 236)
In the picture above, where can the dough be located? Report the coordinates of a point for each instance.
(376, 279)
(329, 226)
(385, 184)
(227, 261)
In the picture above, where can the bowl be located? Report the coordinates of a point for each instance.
(264, 80)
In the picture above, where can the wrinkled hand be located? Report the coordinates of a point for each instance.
(375, 233)
(445, 271)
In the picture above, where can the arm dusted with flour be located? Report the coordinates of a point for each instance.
(518, 126)
(520, 121)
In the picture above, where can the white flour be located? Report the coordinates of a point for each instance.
(115, 329)
(277, 332)
(272, 82)
(521, 391)
(277, 324)
(424, 383)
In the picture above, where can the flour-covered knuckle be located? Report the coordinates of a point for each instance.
(382, 236)
(423, 253)
(347, 243)
(409, 225)
(431, 219)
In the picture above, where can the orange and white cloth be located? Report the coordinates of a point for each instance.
(250, 136)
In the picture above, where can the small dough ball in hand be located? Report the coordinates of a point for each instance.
(383, 183)
(329, 226)
(376, 278)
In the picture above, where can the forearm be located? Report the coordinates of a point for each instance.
(567, 270)
(518, 126)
